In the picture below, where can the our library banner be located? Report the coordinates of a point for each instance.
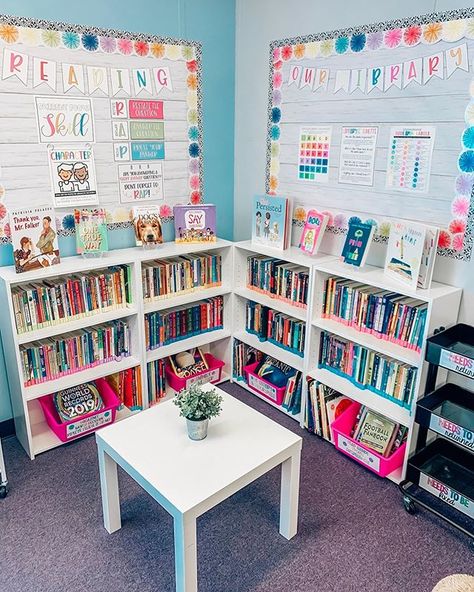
(377, 122)
(80, 106)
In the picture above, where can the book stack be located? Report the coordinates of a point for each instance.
(177, 275)
(127, 385)
(182, 322)
(323, 406)
(75, 351)
(243, 355)
(278, 278)
(382, 313)
(377, 432)
(368, 369)
(59, 300)
(156, 381)
(276, 327)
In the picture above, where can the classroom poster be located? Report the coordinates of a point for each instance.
(314, 147)
(73, 178)
(64, 119)
(141, 182)
(357, 158)
(409, 158)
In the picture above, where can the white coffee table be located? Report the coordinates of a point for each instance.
(188, 478)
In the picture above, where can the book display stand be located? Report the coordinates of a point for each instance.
(440, 473)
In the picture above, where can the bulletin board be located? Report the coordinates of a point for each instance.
(377, 122)
(126, 105)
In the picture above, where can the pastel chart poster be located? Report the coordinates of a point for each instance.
(64, 119)
(73, 178)
(313, 159)
(357, 158)
(409, 158)
(141, 182)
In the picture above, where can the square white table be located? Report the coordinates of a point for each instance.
(188, 478)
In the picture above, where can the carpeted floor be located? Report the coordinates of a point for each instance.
(354, 534)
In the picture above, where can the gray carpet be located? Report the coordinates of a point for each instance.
(354, 534)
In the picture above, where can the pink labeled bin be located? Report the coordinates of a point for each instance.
(341, 432)
(75, 428)
(212, 374)
(262, 386)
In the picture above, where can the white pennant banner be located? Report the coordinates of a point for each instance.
(358, 80)
(413, 71)
(393, 76)
(433, 66)
(97, 79)
(44, 72)
(307, 77)
(294, 75)
(15, 64)
(342, 81)
(162, 78)
(375, 79)
(321, 79)
(120, 81)
(142, 81)
(456, 57)
(73, 77)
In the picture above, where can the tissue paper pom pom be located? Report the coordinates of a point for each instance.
(276, 97)
(275, 132)
(52, 38)
(372, 222)
(458, 241)
(191, 66)
(384, 228)
(277, 79)
(374, 40)
(195, 197)
(340, 221)
(468, 137)
(108, 44)
(276, 114)
(460, 206)
(444, 239)
(466, 161)
(71, 40)
(464, 184)
(432, 32)
(273, 184)
(456, 226)
(193, 133)
(354, 220)
(341, 45)
(165, 211)
(194, 182)
(330, 217)
(358, 42)
(68, 222)
(3, 211)
(194, 165)
(125, 46)
(299, 214)
(412, 35)
(286, 52)
(90, 42)
(393, 38)
(298, 51)
(7, 229)
(9, 33)
(194, 150)
(157, 50)
(327, 47)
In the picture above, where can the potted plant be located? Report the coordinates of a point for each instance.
(198, 406)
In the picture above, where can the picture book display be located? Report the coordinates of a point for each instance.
(76, 401)
(91, 231)
(271, 221)
(405, 250)
(357, 244)
(34, 238)
(195, 223)
(147, 225)
(313, 232)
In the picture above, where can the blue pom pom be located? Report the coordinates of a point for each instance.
(342, 43)
(468, 137)
(193, 150)
(275, 132)
(276, 115)
(68, 222)
(354, 220)
(358, 42)
(466, 161)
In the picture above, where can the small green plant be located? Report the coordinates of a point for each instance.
(196, 404)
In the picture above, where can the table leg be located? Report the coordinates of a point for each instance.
(110, 491)
(185, 553)
(290, 486)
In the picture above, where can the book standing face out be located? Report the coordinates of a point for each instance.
(357, 243)
(34, 238)
(91, 231)
(313, 232)
(271, 221)
(195, 223)
(147, 225)
(405, 250)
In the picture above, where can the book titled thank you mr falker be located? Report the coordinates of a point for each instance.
(271, 221)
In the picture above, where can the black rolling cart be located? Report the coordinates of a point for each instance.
(440, 473)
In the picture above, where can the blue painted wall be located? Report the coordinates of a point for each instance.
(210, 21)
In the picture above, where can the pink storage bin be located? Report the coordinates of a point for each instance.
(213, 374)
(75, 428)
(262, 386)
(341, 432)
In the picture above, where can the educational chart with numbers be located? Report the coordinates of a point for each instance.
(376, 123)
(97, 117)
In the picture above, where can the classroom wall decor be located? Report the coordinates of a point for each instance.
(93, 116)
(377, 122)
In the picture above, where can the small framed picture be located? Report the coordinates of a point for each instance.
(188, 363)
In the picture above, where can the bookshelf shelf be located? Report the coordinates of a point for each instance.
(188, 298)
(271, 349)
(244, 385)
(194, 341)
(295, 311)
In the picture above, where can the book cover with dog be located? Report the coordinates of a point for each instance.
(271, 221)
(195, 223)
(34, 238)
(147, 225)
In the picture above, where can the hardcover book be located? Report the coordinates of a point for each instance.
(76, 401)
(357, 243)
(377, 432)
(271, 221)
(405, 248)
(195, 223)
(34, 238)
(147, 225)
(313, 232)
(91, 231)
(428, 257)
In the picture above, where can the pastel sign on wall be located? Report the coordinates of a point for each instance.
(73, 176)
(147, 150)
(145, 109)
(64, 119)
(147, 130)
(141, 182)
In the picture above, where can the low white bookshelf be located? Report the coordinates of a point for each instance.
(31, 427)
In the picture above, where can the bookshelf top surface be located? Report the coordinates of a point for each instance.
(78, 264)
(292, 254)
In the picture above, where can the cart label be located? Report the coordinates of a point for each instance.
(457, 362)
(359, 453)
(447, 495)
(452, 431)
(88, 423)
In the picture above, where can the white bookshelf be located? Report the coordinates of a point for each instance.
(31, 427)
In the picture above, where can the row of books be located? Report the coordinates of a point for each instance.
(127, 385)
(323, 406)
(275, 277)
(243, 355)
(292, 397)
(164, 327)
(176, 275)
(63, 299)
(377, 432)
(382, 313)
(156, 381)
(75, 351)
(367, 368)
(276, 327)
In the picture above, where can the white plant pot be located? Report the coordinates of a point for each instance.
(197, 429)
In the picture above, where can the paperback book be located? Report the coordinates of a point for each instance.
(313, 232)
(195, 223)
(34, 238)
(357, 243)
(376, 432)
(91, 231)
(77, 401)
(147, 225)
(271, 221)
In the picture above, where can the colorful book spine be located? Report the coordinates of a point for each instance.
(243, 355)
(169, 326)
(368, 369)
(127, 385)
(73, 352)
(164, 278)
(384, 314)
(156, 381)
